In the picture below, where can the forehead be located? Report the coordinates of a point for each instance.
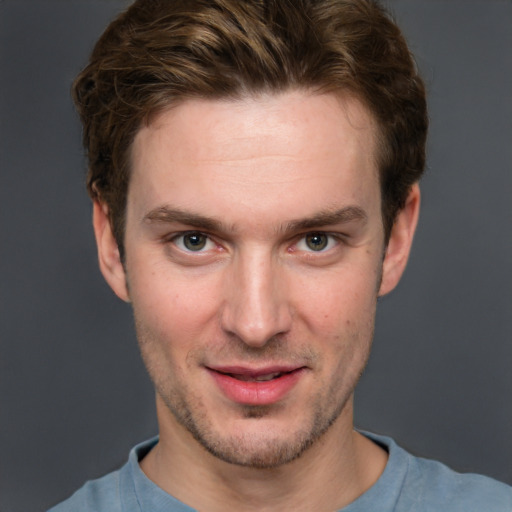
(260, 117)
(283, 147)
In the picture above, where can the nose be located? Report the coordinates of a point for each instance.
(256, 308)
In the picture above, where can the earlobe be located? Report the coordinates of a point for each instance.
(108, 252)
(400, 242)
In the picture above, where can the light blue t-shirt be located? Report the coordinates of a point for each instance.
(408, 484)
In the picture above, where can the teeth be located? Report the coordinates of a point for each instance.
(270, 376)
(259, 378)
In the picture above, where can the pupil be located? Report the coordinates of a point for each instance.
(194, 242)
(317, 241)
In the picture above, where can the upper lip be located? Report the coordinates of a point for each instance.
(255, 372)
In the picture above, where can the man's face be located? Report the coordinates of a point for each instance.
(254, 249)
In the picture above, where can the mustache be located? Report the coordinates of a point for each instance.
(278, 349)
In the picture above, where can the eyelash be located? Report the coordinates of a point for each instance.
(333, 240)
(180, 237)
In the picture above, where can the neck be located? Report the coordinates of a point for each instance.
(332, 473)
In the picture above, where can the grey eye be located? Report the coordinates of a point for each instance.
(195, 241)
(317, 241)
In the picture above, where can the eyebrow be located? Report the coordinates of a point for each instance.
(167, 215)
(328, 218)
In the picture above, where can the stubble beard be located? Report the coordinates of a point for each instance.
(243, 449)
(264, 449)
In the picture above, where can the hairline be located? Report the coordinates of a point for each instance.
(342, 94)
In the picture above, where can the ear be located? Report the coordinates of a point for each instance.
(108, 252)
(400, 242)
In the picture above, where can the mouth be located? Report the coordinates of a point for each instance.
(257, 378)
(262, 386)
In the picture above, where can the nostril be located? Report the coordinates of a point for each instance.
(255, 309)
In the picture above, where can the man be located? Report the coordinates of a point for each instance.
(254, 170)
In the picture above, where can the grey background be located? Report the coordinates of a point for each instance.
(74, 395)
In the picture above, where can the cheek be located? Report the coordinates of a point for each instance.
(169, 328)
(339, 303)
(172, 309)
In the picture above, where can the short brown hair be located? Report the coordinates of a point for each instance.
(161, 52)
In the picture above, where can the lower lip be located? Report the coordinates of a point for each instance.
(254, 392)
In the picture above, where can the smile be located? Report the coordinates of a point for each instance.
(256, 387)
(259, 378)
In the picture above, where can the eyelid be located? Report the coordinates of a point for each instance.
(181, 234)
(336, 237)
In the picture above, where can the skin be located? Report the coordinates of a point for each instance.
(280, 195)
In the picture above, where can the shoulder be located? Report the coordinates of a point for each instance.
(440, 488)
(415, 484)
(101, 495)
(113, 492)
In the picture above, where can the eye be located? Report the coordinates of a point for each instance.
(316, 242)
(193, 241)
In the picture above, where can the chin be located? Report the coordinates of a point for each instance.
(259, 451)
(258, 438)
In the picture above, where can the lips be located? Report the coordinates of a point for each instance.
(259, 378)
(262, 386)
